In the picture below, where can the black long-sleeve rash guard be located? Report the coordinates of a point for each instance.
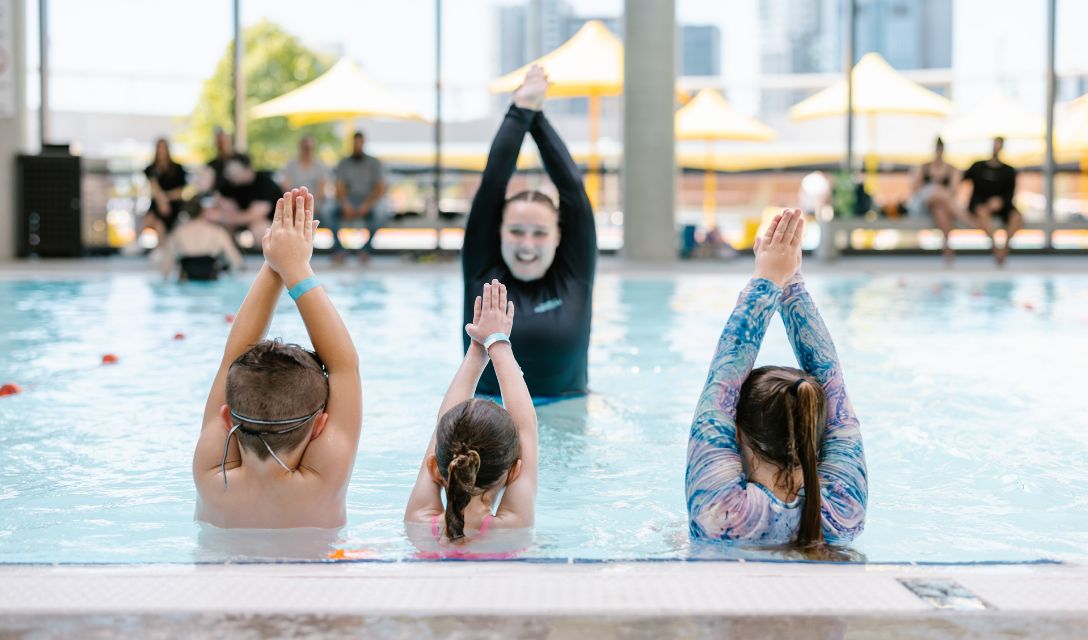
(553, 314)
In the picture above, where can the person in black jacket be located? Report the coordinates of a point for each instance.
(546, 255)
(167, 180)
(993, 187)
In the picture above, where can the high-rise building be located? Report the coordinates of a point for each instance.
(808, 36)
(700, 50)
(530, 30)
(513, 38)
(910, 34)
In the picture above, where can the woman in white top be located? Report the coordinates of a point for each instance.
(308, 171)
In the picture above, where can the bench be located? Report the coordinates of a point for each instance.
(830, 231)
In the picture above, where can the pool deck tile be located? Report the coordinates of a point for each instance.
(525, 589)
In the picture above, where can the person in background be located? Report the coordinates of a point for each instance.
(308, 171)
(247, 197)
(933, 186)
(360, 184)
(167, 180)
(775, 454)
(199, 249)
(224, 152)
(993, 186)
(815, 193)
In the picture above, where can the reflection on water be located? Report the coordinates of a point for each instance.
(965, 388)
(497, 544)
(215, 544)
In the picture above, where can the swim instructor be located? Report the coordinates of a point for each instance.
(544, 254)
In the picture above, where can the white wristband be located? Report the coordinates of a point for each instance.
(495, 337)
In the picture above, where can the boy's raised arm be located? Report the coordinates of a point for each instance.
(288, 247)
(250, 326)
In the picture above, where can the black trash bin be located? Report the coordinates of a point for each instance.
(49, 204)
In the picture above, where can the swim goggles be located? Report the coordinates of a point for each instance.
(294, 424)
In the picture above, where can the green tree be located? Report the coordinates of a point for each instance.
(274, 63)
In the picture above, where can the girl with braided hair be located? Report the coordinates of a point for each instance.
(480, 449)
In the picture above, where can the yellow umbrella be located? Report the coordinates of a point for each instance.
(710, 117)
(997, 116)
(1071, 137)
(473, 156)
(772, 157)
(343, 92)
(589, 64)
(878, 89)
(1071, 134)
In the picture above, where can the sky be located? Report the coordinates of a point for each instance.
(151, 56)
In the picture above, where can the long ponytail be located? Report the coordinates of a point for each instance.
(808, 421)
(460, 488)
(782, 414)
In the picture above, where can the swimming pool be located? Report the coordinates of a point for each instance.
(967, 388)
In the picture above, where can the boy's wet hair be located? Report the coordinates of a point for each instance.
(475, 444)
(275, 381)
(782, 415)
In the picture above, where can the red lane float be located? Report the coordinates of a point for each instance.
(110, 358)
(10, 389)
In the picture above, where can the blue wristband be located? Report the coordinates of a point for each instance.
(495, 337)
(301, 288)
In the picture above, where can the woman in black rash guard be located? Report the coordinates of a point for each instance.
(545, 256)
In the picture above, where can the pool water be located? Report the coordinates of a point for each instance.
(970, 392)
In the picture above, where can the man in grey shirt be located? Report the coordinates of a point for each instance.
(360, 184)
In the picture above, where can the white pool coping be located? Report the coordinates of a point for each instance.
(615, 589)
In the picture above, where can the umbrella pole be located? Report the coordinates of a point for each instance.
(593, 177)
(349, 132)
(710, 188)
(1083, 181)
(872, 161)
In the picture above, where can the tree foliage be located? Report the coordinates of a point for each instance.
(274, 63)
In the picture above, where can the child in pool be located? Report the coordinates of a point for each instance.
(775, 455)
(295, 415)
(480, 448)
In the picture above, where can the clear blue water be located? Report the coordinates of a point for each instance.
(969, 390)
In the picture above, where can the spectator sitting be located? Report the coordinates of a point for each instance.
(247, 198)
(308, 171)
(224, 152)
(993, 187)
(933, 192)
(167, 180)
(199, 249)
(360, 184)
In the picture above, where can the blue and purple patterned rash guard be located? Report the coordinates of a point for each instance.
(722, 503)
